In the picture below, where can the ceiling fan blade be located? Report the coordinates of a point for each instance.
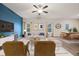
(35, 6)
(45, 11)
(34, 11)
(45, 7)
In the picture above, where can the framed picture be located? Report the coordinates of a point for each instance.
(58, 26)
(28, 25)
(6, 26)
(9, 27)
(35, 26)
(40, 26)
(2, 27)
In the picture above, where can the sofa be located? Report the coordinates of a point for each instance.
(71, 46)
(71, 35)
(70, 41)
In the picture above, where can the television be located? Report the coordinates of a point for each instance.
(6, 26)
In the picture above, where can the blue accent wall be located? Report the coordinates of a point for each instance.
(7, 14)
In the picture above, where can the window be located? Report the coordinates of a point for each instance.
(28, 27)
(49, 27)
(67, 26)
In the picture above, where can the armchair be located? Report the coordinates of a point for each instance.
(14, 48)
(44, 48)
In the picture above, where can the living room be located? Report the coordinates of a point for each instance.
(57, 22)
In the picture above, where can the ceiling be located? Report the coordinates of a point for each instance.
(55, 10)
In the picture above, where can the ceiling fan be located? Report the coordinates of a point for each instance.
(40, 9)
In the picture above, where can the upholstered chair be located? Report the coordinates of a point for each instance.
(27, 48)
(44, 48)
(14, 48)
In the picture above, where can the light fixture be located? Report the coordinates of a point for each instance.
(40, 10)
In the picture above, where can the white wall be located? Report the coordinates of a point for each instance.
(72, 23)
(56, 32)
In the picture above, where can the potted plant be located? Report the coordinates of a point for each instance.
(2, 36)
(69, 30)
(75, 29)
